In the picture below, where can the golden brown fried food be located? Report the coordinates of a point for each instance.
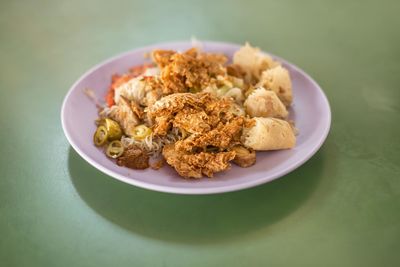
(202, 114)
(162, 125)
(209, 120)
(188, 70)
(192, 121)
(223, 137)
(162, 57)
(195, 165)
(244, 157)
(164, 110)
(212, 130)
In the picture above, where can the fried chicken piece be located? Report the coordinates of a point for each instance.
(195, 165)
(220, 110)
(192, 121)
(134, 158)
(162, 125)
(269, 134)
(164, 110)
(223, 137)
(209, 120)
(188, 70)
(162, 57)
(244, 157)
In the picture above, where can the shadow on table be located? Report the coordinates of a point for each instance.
(193, 219)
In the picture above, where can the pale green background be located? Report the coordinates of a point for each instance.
(342, 208)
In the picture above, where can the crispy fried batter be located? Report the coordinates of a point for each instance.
(162, 125)
(162, 57)
(200, 113)
(195, 165)
(192, 121)
(188, 70)
(223, 137)
(164, 110)
(212, 130)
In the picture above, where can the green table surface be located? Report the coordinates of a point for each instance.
(341, 208)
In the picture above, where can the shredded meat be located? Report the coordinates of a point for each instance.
(134, 157)
(162, 125)
(196, 165)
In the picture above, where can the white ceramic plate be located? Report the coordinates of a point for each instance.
(310, 111)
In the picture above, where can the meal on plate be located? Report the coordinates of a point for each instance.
(197, 112)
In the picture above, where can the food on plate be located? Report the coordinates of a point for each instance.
(278, 80)
(197, 111)
(269, 134)
(264, 103)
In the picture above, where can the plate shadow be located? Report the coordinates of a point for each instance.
(190, 218)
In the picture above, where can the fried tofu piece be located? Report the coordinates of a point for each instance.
(278, 80)
(265, 103)
(180, 109)
(253, 62)
(269, 134)
(162, 57)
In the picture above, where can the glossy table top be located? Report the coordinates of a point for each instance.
(342, 208)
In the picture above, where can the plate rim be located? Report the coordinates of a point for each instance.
(195, 191)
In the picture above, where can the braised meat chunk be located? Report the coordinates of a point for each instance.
(134, 158)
